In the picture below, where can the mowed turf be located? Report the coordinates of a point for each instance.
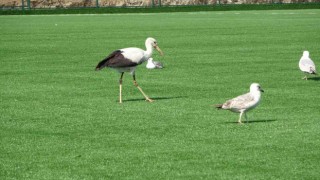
(60, 119)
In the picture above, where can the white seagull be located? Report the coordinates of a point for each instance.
(306, 65)
(127, 59)
(154, 64)
(245, 102)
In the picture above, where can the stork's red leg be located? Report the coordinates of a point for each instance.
(120, 84)
(136, 84)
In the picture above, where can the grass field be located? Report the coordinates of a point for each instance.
(60, 119)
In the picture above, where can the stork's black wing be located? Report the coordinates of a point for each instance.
(114, 60)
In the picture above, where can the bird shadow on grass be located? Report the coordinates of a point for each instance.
(154, 98)
(254, 121)
(314, 78)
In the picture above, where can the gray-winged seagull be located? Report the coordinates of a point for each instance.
(154, 64)
(245, 102)
(306, 65)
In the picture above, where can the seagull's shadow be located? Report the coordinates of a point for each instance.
(154, 98)
(254, 121)
(314, 78)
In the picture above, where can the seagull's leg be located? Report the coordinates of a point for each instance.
(239, 121)
(136, 84)
(245, 116)
(305, 77)
(120, 88)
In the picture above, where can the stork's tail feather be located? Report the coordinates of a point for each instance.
(101, 65)
(218, 106)
(104, 63)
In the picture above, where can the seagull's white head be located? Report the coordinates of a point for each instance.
(150, 59)
(305, 54)
(255, 87)
(154, 44)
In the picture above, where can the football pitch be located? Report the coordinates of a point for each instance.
(60, 119)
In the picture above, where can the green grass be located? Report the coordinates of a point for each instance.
(61, 120)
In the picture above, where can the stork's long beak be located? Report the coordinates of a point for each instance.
(159, 50)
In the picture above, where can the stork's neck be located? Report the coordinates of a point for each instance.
(148, 52)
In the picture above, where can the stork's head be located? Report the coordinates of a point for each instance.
(154, 44)
(255, 87)
(305, 54)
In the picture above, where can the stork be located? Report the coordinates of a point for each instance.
(306, 65)
(127, 60)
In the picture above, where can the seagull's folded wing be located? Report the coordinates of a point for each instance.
(241, 102)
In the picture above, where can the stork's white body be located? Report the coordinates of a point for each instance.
(137, 55)
(130, 70)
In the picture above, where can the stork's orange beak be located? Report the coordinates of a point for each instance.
(159, 50)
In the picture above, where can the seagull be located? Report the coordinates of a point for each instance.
(243, 103)
(306, 65)
(154, 64)
(127, 59)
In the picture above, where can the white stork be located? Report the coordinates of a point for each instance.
(243, 103)
(127, 59)
(306, 65)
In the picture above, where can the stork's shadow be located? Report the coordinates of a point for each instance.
(254, 121)
(154, 98)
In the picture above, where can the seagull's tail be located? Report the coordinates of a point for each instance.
(313, 71)
(218, 106)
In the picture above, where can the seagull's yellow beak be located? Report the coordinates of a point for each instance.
(158, 49)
